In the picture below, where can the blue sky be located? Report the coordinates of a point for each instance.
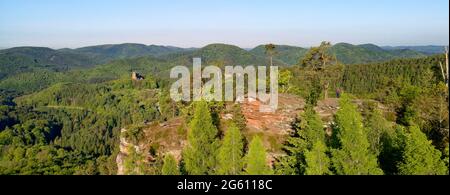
(246, 23)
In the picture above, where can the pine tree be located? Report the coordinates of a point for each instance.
(238, 117)
(309, 130)
(255, 160)
(393, 146)
(231, 152)
(420, 157)
(376, 127)
(352, 157)
(170, 166)
(199, 155)
(317, 161)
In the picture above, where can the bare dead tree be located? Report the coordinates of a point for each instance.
(444, 71)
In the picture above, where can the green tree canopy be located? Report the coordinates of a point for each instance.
(420, 156)
(170, 166)
(352, 155)
(255, 160)
(231, 152)
(317, 161)
(318, 57)
(308, 131)
(200, 154)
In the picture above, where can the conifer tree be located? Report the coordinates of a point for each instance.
(352, 156)
(170, 166)
(317, 161)
(309, 130)
(376, 127)
(255, 160)
(420, 157)
(201, 151)
(393, 146)
(231, 152)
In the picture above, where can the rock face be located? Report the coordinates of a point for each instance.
(276, 123)
(123, 152)
(160, 138)
(274, 127)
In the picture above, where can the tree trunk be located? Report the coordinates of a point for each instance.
(325, 88)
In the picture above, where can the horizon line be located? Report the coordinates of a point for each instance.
(193, 47)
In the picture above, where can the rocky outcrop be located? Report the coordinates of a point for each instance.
(123, 152)
(275, 123)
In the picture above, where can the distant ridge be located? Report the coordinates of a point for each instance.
(429, 49)
(344, 52)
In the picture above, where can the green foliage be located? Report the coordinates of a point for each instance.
(127, 50)
(381, 77)
(285, 53)
(393, 146)
(308, 131)
(446, 154)
(284, 81)
(238, 117)
(345, 53)
(368, 53)
(200, 154)
(318, 57)
(43, 160)
(170, 166)
(352, 155)
(420, 157)
(315, 92)
(134, 134)
(376, 126)
(58, 118)
(255, 160)
(317, 161)
(231, 152)
(134, 162)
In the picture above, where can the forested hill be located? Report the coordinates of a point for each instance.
(368, 53)
(26, 69)
(285, 53)
(70, 121)
(31, 59)
(127, 50)
(344, 52)
(27, 59)
(223, 54)
(429, 49)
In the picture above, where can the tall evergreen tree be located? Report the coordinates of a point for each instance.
(170, 166)
(231, 152)
(393, 146)
(308, 131)
(420, 157)
(352, 157)
(317, 161)
(376, 127)
(255, 160)
(201, 151)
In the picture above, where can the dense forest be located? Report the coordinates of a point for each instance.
(65, 111)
